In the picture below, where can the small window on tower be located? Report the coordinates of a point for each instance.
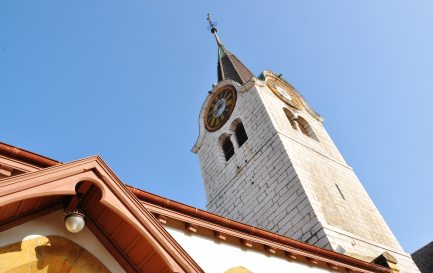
(291, 117)
(306, 128)
(228, 148)
(303, 127)
(241, 135)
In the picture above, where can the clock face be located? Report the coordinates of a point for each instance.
(283, 91)
(220, 108)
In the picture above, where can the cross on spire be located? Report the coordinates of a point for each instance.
(229, 66)
(213, 29)
(212, 24)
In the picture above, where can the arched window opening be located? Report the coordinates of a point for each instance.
(228, 148)
(291, 117)
(303, 128)
(241, 135)
(306, 128)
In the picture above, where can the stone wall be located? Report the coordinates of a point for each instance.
(287, 182)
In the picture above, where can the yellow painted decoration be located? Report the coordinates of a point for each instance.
(50, 254)
(238, 269)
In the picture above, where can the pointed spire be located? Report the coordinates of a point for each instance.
(229, 66)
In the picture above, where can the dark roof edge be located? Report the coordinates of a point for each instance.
(428, 246)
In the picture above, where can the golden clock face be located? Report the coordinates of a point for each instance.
(283, 91)
(220, 108)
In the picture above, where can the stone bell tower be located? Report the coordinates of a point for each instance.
(267, 161)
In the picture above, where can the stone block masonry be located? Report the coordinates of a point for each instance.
(286, 182)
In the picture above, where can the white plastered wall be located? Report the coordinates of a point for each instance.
(217, 257)
(53, 224)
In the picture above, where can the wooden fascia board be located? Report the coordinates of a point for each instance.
(151, 222)
(27, 156)
(17, 164)
(61, 180)
(225, 222)
(234, 233)
(348, 262)
(112, 248)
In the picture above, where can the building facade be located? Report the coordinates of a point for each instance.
(130, 230)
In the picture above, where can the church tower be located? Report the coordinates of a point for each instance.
(267, 161)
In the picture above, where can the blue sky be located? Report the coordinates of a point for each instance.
(126, 80)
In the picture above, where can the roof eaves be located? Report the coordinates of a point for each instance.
(304, 248)
(27, 156)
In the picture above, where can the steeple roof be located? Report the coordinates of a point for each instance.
(229, 66)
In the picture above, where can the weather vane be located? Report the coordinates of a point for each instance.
(212, 25)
